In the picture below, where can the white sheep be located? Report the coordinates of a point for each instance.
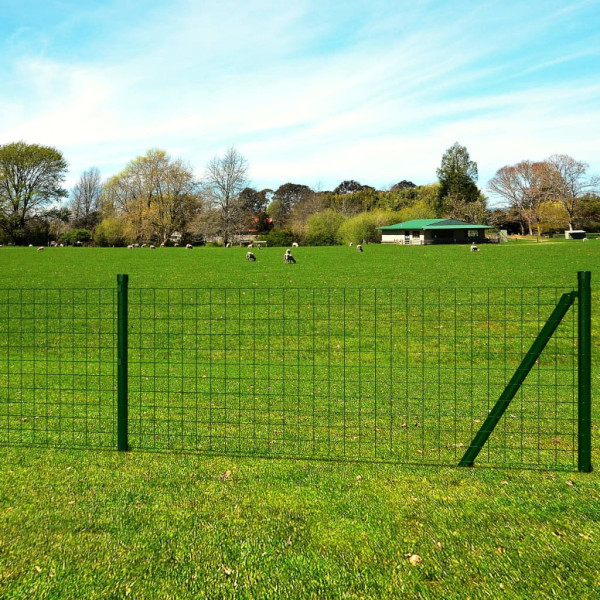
(288, 258)
(249, 246)
(351, 244)
(250, 256)
(359, 248)
(295, 245)
(143, 246)
(188, 246)
(31, 245)
(474, 247)
(62, 245)
(584, 239)
(152, 247)
(40, 249)
(227, 245)
(130, 247)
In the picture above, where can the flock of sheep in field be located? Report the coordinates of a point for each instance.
(288, 258)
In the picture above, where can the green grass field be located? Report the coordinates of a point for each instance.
(85, 523)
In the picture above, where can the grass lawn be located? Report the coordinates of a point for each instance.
(98, 524)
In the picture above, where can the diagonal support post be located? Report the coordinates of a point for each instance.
(540, 342)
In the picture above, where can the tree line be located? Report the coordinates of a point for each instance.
(158, 199)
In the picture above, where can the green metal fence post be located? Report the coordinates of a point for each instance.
(122, 327)
(584, 372)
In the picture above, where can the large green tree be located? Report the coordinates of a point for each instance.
(457, 175)
(31, 178)
(155, 196)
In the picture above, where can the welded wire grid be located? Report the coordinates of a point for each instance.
(57, 367)
(404, 375)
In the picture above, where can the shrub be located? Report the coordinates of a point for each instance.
(110, 232)
(323, 228)
(282, 237)
(364, 226)
(76, 235)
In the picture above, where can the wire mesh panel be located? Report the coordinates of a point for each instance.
(404, 375)
(57, 362)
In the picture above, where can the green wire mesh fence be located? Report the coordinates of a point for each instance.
(57, 367)
(404, 375)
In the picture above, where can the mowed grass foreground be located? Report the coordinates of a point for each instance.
(99, 524)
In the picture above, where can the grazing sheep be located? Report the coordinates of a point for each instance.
(62, 245)
(227, 245)
(176, 245)
(31, 245)
(474, 247)
(143, 246)
(249, 246)
(351, 244)
(250, 256)
(288, 258)
(152, 247)
(40, 249)
(359, 248)
(136, 245)
(188, 246)
(584, 239)
(162, 244)
(130, 247)
(295, 245)
(258, 246)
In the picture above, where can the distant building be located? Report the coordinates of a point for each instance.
(423, 232)
(574, 234)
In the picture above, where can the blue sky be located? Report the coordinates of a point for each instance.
(311, 92)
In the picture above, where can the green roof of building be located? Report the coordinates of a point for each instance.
(434, 224)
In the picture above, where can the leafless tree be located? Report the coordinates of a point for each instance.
(85, 199)
(525, 187)
(225, 178)
(568, 182)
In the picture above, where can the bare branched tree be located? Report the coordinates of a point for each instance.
(568, 182)
(85, 199)
(524, 186)
(225, 178)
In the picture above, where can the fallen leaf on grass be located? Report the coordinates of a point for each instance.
(500, 549)
(358, 478)
(440, 545)
(414, 559)
(38, 569)
(585, 536)
(226, 476)
(570, 482)
(504, 483)
(227, 570)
